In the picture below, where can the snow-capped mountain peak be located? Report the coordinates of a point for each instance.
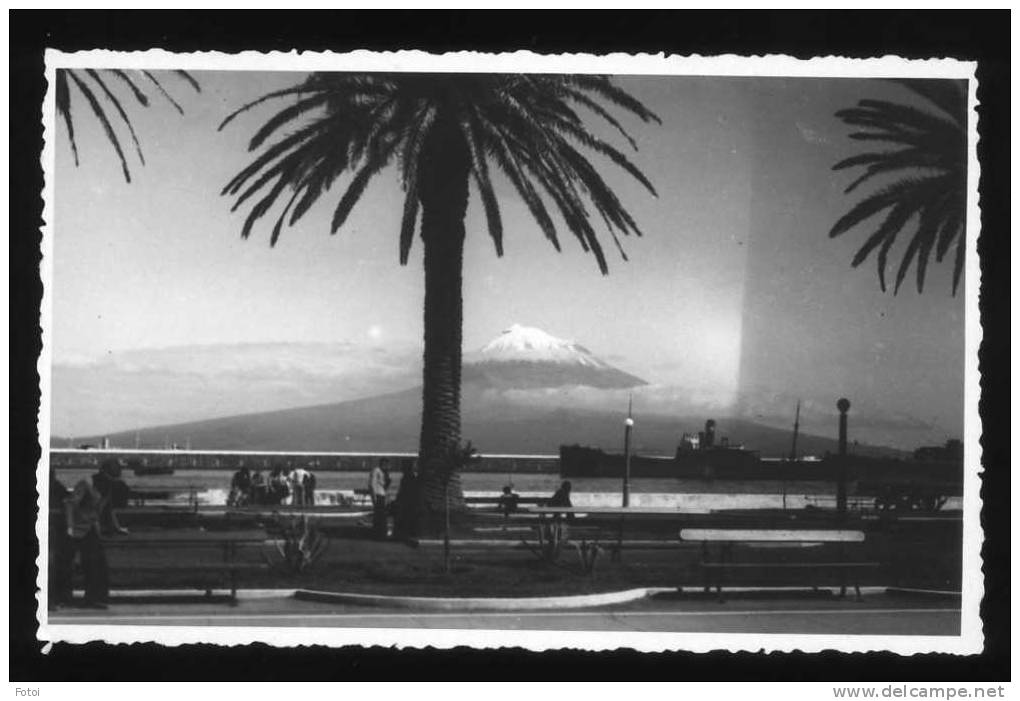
(526, 343)
(524, 357)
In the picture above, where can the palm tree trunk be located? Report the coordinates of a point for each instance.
(444, 195)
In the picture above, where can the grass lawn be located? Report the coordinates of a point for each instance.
(919, 556)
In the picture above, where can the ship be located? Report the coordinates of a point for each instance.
(924, 480)
(143, 469)
(698, 456)
(153, 470)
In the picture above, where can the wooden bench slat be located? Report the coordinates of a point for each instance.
(754, 535)
(203, 568)
(203, 538)
(785, 565)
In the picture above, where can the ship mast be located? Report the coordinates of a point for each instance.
(796, 430)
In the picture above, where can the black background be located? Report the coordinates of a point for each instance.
(981, 36)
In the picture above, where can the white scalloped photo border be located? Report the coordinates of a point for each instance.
(970, 639)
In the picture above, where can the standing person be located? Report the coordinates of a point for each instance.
(240, 487)
(378, 481)
(309, 487)
(285, 486)
(111, 489)
(82, 509)
(408, 498)
(297, 485)
(59, 575)
(278, 489)
(258, 489)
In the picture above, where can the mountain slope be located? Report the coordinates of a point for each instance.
(392, 422)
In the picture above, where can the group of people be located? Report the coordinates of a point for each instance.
(78, 519)
(283, 486)
(404, 508)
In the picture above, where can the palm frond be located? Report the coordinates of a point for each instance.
(950, 96)
(190, 79)
(142, 98)
(921, 245)
(103, 80)
(284, 116)
(525, 189)
(602, 86)
(485, 191)
(120, 110)
(604, 114)
(871, 205)
(961, 242)
(278, 149)
(409, 220)
(263, 206)
(948, 232)
(301, 89)
(910, 159)
(159, 86)
(63, 107)
(524, 126)
(929, 168)
(357, 187)
(97, 110)
(909, 117)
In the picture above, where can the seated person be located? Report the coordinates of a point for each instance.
(509, 500)
(561, 497)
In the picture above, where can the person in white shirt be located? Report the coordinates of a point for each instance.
(378, 482)
(297, 485)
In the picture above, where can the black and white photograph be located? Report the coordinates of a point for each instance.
(545, 351)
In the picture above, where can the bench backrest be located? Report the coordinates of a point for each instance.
(771, 535)
(188, 536)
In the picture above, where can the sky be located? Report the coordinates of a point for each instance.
(735, 293)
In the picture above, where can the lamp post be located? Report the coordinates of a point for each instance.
(628, 426)
(844, 406)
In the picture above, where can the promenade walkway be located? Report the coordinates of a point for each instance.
(877, 614)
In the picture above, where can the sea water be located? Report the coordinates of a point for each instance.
(685, 495)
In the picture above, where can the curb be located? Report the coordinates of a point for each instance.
(195, 593)
(934, 593)
(425, 603)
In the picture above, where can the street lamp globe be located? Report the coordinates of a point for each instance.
(628, 422)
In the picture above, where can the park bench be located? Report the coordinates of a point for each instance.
(602, 529)
(204, 557)
(838, 567)
(498, 500)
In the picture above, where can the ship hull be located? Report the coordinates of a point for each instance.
(871, 474)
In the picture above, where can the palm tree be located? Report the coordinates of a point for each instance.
(442, 132)
(89, 82)
(926, 177)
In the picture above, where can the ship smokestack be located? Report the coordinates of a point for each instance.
(709, 433)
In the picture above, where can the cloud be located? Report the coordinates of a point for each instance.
(149, 387)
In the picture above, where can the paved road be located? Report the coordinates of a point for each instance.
(875, 615)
